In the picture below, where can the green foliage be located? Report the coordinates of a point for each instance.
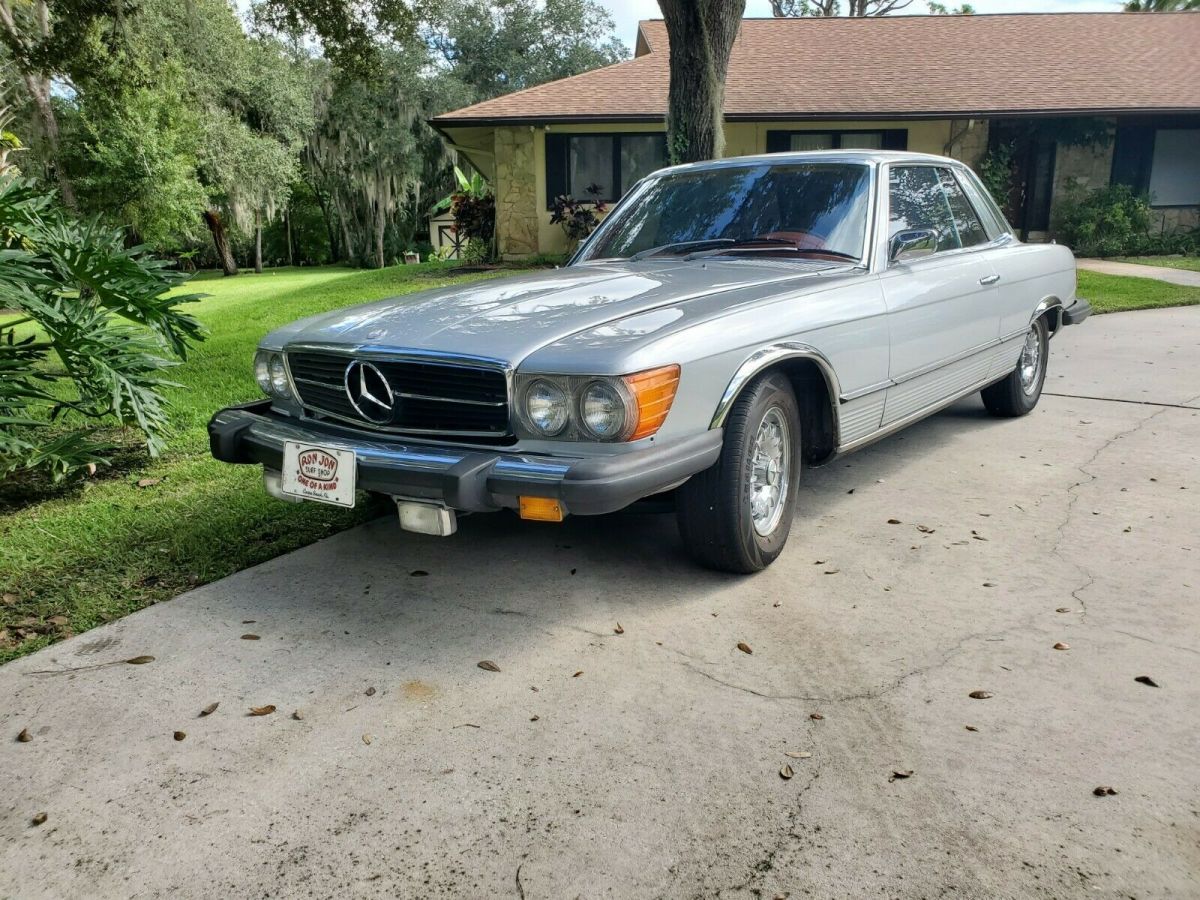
(475, 220)
(93, 335)
(1162, 5)
(498, 47)
(998, 172)
(1108, 221)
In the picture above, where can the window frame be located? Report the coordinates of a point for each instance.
(778, 139)
(1133, 151)
(961, 177)
(1150, 168)
(557, 173)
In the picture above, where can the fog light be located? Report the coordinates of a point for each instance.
(541, 509)
(426, 518)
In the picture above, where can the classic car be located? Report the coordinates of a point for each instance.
(729, 323)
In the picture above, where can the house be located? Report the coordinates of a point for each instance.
(1084, 97)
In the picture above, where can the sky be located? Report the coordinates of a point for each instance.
(628, 12)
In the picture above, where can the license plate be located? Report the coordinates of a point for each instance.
(318, 473)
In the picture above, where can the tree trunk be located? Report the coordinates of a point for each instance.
(700, 34)
(380, 225)
(39, 93)
(221, 241)
(257, 243)
(287, 218)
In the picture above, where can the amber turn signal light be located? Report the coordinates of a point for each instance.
(541, 509)
(653, 392)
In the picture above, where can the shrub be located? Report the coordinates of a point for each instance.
(578, 218)
(96, 335)
(474, 209)
(1108, 221)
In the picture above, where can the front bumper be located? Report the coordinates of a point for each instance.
(469, 479)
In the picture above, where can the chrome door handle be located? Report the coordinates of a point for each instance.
(989, 279)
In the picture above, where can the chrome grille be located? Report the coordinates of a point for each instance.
(431, 398)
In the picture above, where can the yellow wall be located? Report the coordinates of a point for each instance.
(741, 139)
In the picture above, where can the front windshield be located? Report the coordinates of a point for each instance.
(806, 209)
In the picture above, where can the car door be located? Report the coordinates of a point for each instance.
(941, 300)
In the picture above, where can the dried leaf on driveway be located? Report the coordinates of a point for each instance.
(786, 772)
(577, 674)
(179, 735)
(925, 529)
(262, 710)
(298, 715)
(366, 739)
(744, 647)
(209, 710)
(816, 717)
(1146, 680)
(1061, 645)
(418, 573)
(797, 754)
(39, 818)
(980, 695)
(971, 728)
(1104, 791)
(1063, 609)
(488, 665)
(893, 521)
(24, 737)
(900, 773)
(140, 660)
(370, 692)
(250, 637)
(618, 629)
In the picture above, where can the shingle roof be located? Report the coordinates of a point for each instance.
(895, 67)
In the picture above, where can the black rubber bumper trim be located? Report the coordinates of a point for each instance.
(1076, 312)
(590, 486)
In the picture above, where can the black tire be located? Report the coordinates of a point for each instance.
(1014, 395)
(713, 507)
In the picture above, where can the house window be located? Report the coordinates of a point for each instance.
(1159, 158)
(615, 162)
(885, 139)
(1175, 168)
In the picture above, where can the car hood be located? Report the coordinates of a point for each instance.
(509, 318)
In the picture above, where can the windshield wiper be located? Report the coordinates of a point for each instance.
(791, 248)
(681, 245)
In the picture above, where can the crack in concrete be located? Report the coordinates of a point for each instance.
(1140, 637)
(1185, 405)
(1073, 493)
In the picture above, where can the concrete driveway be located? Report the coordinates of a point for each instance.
(647, 763)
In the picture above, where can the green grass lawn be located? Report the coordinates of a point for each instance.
(1116, 293)
(95, 550)
(1170, 262)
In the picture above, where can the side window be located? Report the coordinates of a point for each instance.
(916, 200)
(970, 229)
(993, 219)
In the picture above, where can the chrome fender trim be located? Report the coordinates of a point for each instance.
(768, 356)
(1045, 306)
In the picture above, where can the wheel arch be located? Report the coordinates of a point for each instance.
(1051, 307)
(814, 382)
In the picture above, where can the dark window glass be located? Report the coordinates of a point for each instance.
(918, 201)
(970, 229)
(818, 206)
(612, 162)
(590, 162)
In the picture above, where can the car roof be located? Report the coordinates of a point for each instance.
(861, 157)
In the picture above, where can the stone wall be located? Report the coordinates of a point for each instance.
(968, 145)
(516, 192)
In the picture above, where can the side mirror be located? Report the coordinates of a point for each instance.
(913, 241)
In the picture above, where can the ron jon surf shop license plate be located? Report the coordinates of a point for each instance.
(318, 473)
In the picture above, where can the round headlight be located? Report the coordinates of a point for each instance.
(262, 372)
(546, 407)
(602, 410)
(279, 379)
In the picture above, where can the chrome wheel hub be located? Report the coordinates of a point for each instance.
(770, 473)
(1031, 361)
